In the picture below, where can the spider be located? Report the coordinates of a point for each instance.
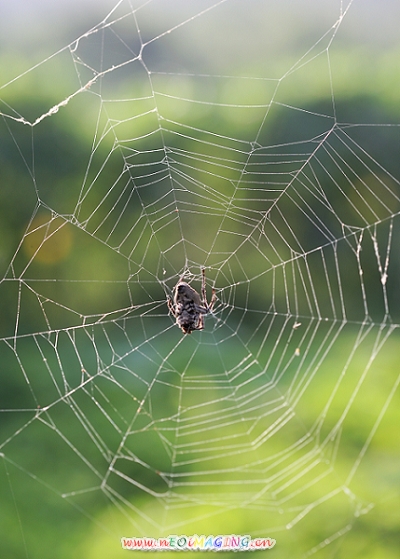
(188, 308)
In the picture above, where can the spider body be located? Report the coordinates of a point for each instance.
(188, 307)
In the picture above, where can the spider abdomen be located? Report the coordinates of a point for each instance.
(188, 308)
(188, 318)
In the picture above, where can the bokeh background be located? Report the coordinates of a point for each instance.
(85, 273)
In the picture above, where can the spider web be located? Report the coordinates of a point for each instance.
(178, 141)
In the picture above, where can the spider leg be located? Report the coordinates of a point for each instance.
(202, 310)
(203, 288)
(212, 302)
(200, 324)
(171, 307)
(208, 307)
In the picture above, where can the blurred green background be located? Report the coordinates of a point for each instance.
(251, 426)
